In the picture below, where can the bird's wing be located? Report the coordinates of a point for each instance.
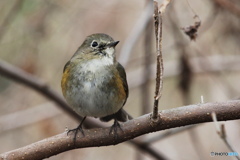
(123, 76)
(66, 65)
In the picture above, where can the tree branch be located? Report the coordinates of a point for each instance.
(182, 116)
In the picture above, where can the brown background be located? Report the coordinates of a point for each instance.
(41, 36)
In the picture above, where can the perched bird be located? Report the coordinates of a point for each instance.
(93, 83)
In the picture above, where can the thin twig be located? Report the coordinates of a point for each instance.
(192, 30)
(202, 99)
(159, 73)
(195, 14)
(198, 113)
(220, 128)
(164, 5)
(156, 22)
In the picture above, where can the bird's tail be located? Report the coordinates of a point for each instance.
(121, 116)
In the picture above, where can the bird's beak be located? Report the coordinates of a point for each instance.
(113, 44)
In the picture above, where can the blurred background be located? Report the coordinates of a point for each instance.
(40, 36)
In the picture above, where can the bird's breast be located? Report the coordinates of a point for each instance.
(94, 89)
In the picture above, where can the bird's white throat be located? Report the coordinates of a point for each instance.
(97, 64)
(110, 51)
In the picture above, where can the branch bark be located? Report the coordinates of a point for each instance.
(159, 70)
(182, 116)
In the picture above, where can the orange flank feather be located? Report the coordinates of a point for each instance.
(64, 81)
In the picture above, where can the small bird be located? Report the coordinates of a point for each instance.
(94, 84)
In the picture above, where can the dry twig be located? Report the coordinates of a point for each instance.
(158, 12)
(192, 30)
(220, 128)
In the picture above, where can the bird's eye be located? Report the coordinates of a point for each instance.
(94, 44)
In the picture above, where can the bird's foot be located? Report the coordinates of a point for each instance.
(114, 129)
(75, 130)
